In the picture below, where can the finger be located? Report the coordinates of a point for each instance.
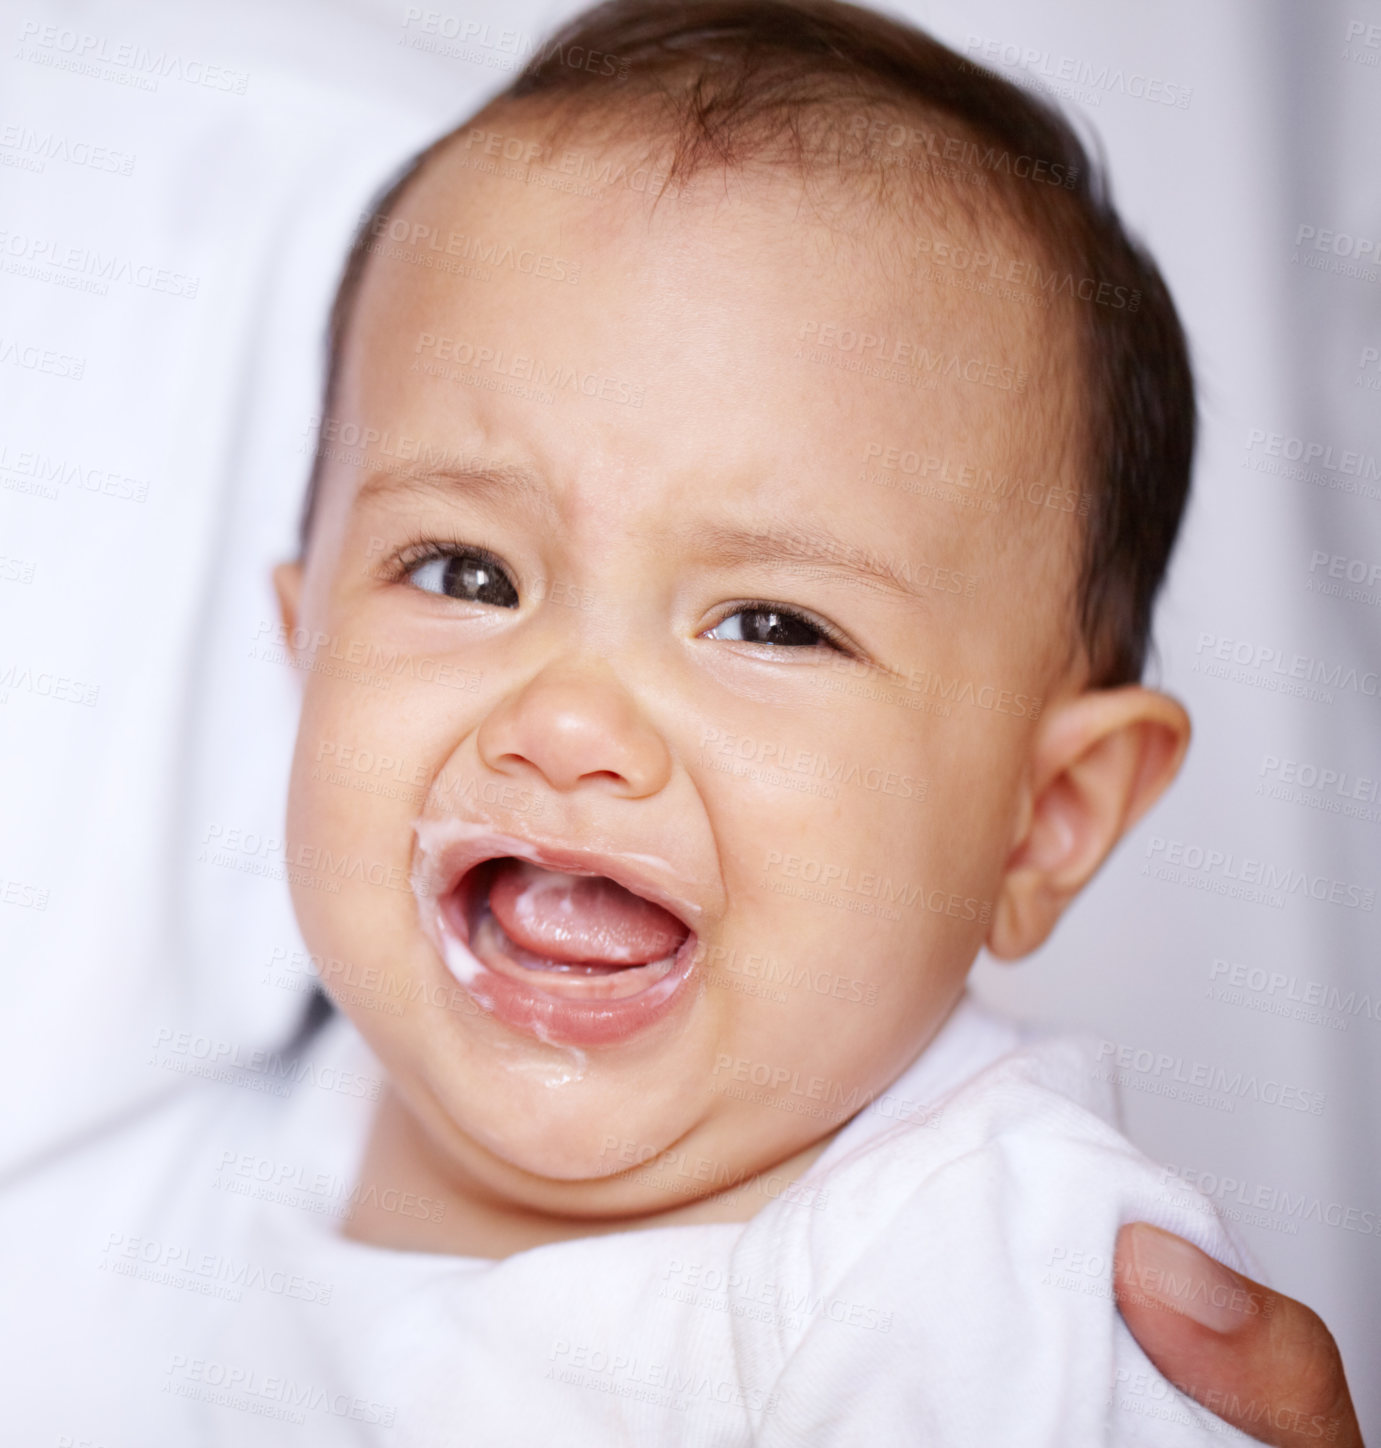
(1262, 1361)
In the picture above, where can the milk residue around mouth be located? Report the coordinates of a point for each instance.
(550, 1073)
(428, 881)
(434, 835)
(427, 884)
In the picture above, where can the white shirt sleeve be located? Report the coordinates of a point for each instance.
(955, 1287)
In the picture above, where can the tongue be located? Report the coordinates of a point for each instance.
(577, 918)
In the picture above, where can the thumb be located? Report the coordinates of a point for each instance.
(1256, 1358)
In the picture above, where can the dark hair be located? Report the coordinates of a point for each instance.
(729, 75)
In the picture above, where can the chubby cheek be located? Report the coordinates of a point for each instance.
(839, 970)
(359, 777)
(858, 905)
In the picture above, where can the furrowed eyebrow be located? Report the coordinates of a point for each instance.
(500, 481)
(798, 546)
(807, 549)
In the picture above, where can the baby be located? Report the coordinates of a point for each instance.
(751, 452)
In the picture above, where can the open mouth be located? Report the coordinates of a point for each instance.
(543, 939)
(578, 936)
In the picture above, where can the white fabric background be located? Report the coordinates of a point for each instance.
(114, 929)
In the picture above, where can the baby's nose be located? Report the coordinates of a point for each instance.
(576, 728)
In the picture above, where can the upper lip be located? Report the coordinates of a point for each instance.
(437, 873)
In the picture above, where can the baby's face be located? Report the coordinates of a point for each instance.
(705, 730)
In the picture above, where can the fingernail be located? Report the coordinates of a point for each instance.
(1177, 1275)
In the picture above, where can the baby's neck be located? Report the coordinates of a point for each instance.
(403, 1166)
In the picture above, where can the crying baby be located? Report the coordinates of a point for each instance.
(741, 780)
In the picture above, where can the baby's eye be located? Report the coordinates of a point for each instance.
(473, 577)
(762, 624)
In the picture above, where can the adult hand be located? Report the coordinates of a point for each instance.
(1262, 1361)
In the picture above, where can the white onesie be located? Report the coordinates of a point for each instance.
(940, 1275)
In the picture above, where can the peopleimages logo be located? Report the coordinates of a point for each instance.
(1320, 464)
(782, 755)
(959, 150)
(1266, 658)
(551, 375)
(33, 358)
(829, 339)
(45, 473)
(1070, 70)
(1121, 1062)
(417, 239)
(1366, 788)
(1294, 1206)
(1347, 461)
(83, 52)
(1275, 987)
(868, 885)
(28, 255)
(1363, 251)
(1025, 273)
(1259, 875)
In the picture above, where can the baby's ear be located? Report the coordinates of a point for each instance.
(1099, 761)
(287, 584)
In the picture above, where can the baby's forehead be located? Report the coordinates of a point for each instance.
(816, 313)
(584, 183)
(858, 258)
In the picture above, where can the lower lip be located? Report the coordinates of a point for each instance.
(563, 1009)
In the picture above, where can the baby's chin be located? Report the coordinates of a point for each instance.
(588, 1150)
(570, 1121)
(618, 1175)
